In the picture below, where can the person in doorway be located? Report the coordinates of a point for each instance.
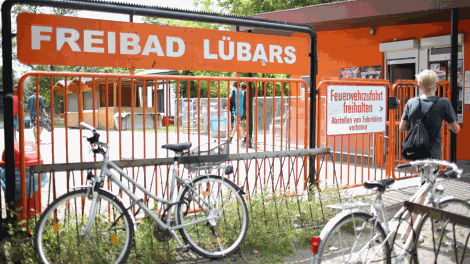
(44, 120)
(442, 110)
(237, 107)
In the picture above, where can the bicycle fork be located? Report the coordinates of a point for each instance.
(85, 232)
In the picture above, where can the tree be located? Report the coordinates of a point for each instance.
(251, 7)
(44, 82)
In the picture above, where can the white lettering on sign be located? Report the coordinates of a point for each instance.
(69, 36)
(289, 51)
(207, 54)
(96, 41)
(129, 40)
(93, 41)
(112, 42)
(355, 109)
(36, 36)
(170, 47)
(89, 40)
(231, 49)
(243, 52)
(153, 45)
(275, 51)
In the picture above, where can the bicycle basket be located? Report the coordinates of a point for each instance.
(206, 156)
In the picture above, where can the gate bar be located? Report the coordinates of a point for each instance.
(45, 168)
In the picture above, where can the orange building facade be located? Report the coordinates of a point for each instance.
(396, 40)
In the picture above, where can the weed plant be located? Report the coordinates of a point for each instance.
(279, 222)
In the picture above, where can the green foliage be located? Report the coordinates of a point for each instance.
(279, 222)
(18, 247)
(45, 82)
(251, 7)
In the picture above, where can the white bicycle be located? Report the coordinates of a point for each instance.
(92, 225)
(361, 232)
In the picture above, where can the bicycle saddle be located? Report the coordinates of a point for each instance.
(381, 185)
(178, 146)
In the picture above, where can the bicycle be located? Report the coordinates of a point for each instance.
(92, 225)
(358, 235)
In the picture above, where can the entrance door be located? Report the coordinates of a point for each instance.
(402, 72)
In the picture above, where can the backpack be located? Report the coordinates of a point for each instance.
(233, 103)
(413, 146)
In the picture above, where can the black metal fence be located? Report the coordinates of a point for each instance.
(443, 235)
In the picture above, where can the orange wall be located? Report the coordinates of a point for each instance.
(356, 48)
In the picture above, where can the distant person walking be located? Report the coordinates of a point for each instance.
(237, 107)
(44, 120)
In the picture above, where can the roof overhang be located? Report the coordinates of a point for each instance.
(369, 13)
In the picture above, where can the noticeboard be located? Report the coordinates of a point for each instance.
(355, 109)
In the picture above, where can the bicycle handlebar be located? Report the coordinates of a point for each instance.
(428, 162)
(85, 125)
(95, 139)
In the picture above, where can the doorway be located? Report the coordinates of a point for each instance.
(402, 72)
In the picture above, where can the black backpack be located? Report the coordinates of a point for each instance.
(413, 146)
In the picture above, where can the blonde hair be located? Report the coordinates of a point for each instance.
(427, 80)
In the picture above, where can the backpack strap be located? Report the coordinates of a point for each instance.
(426, 114)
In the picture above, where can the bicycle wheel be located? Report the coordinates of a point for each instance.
(355, 238)
(57, 236)
(222, 235)
(431, 228)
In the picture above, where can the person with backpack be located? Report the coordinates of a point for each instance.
(238, 109)
(431, 111)
(44, 119)
(422, 119)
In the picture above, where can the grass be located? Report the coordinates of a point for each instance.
(278, 224)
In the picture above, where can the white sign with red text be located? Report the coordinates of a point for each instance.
(355, 109)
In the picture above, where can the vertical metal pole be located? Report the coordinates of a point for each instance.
(313, 104)
(453, 78)
(8, 110)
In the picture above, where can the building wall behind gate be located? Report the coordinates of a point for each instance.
(357, 48)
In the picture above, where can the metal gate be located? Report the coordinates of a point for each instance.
(371, 156)
(358, 158)
(404, 90)
(125, 110)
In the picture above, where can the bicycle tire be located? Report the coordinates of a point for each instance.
(57, 234)
(219, 238)
(446, 254)
(341, 234)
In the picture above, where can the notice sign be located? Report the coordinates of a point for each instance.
(355, 109)
(61, 40)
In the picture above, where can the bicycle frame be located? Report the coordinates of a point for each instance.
(105, 171)
(378, 211)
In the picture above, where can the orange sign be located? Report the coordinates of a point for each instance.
(60, 40)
